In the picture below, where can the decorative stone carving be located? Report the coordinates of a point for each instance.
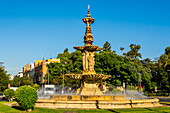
(88, 75)
(90, 62)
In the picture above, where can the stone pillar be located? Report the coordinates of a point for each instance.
(93, 61)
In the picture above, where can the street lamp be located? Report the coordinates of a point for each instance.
(139, 80)
(101, 81)
(63, 80)
(48, 76)
(42, 79)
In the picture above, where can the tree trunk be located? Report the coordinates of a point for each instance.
(29, 110)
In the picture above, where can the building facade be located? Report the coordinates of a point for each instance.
(37, 70)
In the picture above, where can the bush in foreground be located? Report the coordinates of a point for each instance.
(26, 96)
(9, 94)
(36, 86)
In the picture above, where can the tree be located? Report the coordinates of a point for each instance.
(36, 86)
(161, 68)
(72, 63)
(9, 94)
(26, 96)
(66, 50)
(160, 77)
(4, 79)
(21, 81)
(107, 47)
(122, 69)
(167, 50)
(146, 61)
(76, 62)
(122, 48)
(133, 53)
(55, 70)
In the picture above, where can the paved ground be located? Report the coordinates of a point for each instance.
(163, 99)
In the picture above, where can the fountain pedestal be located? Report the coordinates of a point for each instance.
(89, 89)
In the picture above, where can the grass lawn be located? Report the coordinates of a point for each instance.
(10, 109)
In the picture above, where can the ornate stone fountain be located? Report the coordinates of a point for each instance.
(88, 76)
(89, 95)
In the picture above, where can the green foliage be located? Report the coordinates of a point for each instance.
(26, 97)
(21, 81)
(4, 79)
(159, 71)
(76, 62)
(122, 69)
(133, 53)
(107, 47)
(70, 63)
(130, 88)
(9, 94)
(36, 86)
(122, 48)
(116, 90)
(66, 50)
(167, 50)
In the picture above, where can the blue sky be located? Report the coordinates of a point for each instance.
(31, 29)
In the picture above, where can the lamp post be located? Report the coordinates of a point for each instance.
(101, 81)
(42, 79)
(138, 81)
(63, 80)
(48, 76)
(19, 84)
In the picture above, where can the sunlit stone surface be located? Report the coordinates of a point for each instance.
(88, 76)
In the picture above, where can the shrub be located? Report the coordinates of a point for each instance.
(36, 86)
(116, 91)
(166, 94)
(9, 94)
(26, 97)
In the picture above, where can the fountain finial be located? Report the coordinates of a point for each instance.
(88, 14)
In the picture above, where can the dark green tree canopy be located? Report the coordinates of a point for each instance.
(122, 48)
(66, 50)
(20, 81)
(146, 61)
(4, 79)
(134, 52)
(107, 47)
(167, 50)
(70, 63)
(124, 68)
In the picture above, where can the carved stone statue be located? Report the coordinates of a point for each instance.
(90, 62)
(84, 63)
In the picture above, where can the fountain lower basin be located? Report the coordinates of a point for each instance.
(94, 102)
